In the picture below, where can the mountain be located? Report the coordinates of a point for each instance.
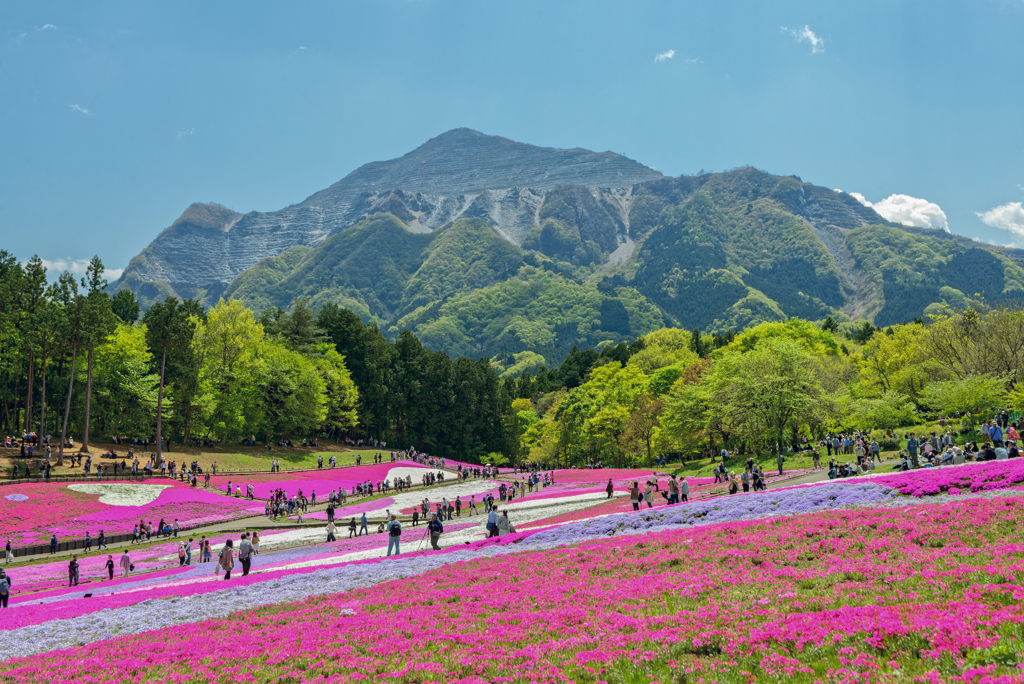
(460, 173)
(484, 246)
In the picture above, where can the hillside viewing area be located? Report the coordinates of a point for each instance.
(455, 342)
(161, 455)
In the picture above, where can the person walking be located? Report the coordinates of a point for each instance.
(780, 460)
(330, 531)
(125, 563)
(362, 526)
(7, 552)
(226, 559)
(88, 542)
(5, 587)
(912, 446)
(634, 496)
(684, 489)
(101, 541)
(188, 551)
(394, 535)
(53, 544)
(609, 488)
(207, 551)
(109, 565)
(245, 553)
(436, 529)
(492, 522)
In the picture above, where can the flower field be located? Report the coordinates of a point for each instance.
(55, 508)
(900, 577)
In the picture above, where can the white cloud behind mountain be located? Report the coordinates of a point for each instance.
(908, 210)
(1009, 217)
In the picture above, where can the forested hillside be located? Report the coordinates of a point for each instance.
(716, 252)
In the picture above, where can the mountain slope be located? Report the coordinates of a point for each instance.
(461, 173)
(541, 267)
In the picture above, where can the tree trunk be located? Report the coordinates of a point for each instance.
(67, 408)
(28, 391)
(88, 401)
(42, 404)
(159, 408)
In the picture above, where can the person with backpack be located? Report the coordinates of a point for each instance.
(109, 565)
(436, 528)
(394, 535)
(245, 553)
(5, 587)
(181, 554)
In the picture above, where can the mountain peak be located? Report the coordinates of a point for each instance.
(463, 161)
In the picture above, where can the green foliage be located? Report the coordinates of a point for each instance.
(125, 306)
(891, 410)
(973, 395)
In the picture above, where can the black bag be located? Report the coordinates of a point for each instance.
(396, 531)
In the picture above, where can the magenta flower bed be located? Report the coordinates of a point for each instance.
(52, 508)
(971, 477)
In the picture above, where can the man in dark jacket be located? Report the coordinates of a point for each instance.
(436, 529)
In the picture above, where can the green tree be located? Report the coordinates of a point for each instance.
(970, 395)
(891, 410)
(169, 330)
(125, 306)
(766, 392)
(73, 306)
(99, 322)
(33, 296)
(227, 348)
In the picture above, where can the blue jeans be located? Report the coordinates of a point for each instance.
(393, 542)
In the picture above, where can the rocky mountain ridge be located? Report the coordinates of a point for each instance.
(461, 173)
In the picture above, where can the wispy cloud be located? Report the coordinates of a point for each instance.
(81, 110)
(185, 134)
(805, 34)
(667, 54)
(1009, 217)
(694, 60)
(76, 267)
(46, 27)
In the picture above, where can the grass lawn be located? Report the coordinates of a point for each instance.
(705, 467)
(229, 458)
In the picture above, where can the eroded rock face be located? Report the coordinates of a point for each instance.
(459, 173)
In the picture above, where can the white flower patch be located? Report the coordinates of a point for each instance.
(121, 494)
(417, 473)
(527, 504)
(410, 499)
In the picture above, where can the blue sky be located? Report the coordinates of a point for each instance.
(116, 116)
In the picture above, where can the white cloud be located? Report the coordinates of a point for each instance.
(805, 33)
(83, 110)
(46, 27)
(912, 211)
(1009, 216)
(182, 134)
(694, 60)
(76, 267)
(668, 54)
(860, 198)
